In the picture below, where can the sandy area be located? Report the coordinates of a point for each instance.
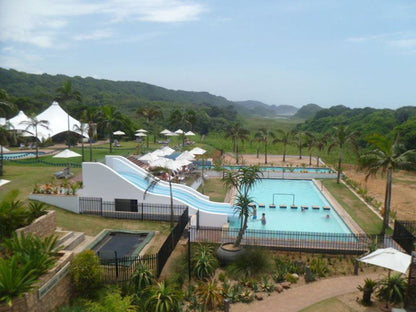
(404, 182)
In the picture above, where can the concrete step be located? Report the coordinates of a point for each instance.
(65, 236)
(73, 241)
(83, 246)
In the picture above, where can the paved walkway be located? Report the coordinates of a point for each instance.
(298, 298)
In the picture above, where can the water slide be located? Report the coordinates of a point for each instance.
(181, 193)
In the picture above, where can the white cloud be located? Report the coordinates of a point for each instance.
(405, 42)
(96, 35)
(41, 22)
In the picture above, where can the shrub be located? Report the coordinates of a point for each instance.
(36, 209)
(112, 302)
(163, 297)
(319, 267)
(13, 214)
(253, 262)
(209, 294)
(142, 278)
(393, 288)
(86, 273)
(204, 262)
(15, 279)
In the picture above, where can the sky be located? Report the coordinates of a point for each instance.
(294, 52)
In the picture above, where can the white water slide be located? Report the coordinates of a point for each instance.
(120, 178)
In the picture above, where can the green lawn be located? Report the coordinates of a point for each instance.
(215, 189)
(361, 214)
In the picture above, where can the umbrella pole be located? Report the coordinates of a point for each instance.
(388, 281)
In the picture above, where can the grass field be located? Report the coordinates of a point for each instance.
(361, 214)
(331, 304)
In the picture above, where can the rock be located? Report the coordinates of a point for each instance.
(259, 298)
(295, 276)
(286, 285)
(279, 288)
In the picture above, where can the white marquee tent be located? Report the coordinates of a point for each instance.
(18, 121)
(58, 122)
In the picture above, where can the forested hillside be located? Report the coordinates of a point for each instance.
(367, 121)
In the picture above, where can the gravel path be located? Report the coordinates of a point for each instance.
(298, 298)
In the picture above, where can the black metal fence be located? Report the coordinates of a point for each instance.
(289, 241)
(122, 269)
(405, 234)
(140, 211)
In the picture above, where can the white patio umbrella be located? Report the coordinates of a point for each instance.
(171, 134)
(389, 258)
(141, 134)
(183, 162)
(165, 131)
(189, 133)
(197, 151)
(186, 155)
(149, 157)
(119, 132)
(66, 153)
(167, 150)
(4, 149)
(141, 130)
(179, 131)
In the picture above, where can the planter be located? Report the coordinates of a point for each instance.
(367, 296)
(227, 253)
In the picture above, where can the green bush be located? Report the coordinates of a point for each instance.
(393, 288)
(36, 209)
(253, 262)
(204, 262)
(209, 294)
(163, 298)
(13, 214)
(319, 267)
(142, 278)
(112, 302)
(86, 273)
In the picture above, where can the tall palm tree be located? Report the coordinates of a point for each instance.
(311, 142)
(150, 114)
(341, 137)
(298, 140)
(66, 94)
(82, 129)
(110, 118)
(89, 116)
(32, 125)
(265, 135)
(386, 156)
(5, 105)
(321, 140)
(236, 133)
(283, 138)
(243, 180)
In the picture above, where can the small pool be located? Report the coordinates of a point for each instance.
(17, 155)
(112, 244)
(297, 193)
(281, 169)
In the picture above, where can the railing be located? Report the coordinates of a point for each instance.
(122, 269)
(405, 234)
(142, 211)
(289, 241)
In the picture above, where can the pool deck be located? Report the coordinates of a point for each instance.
(353, 226)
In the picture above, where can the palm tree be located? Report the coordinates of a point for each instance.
(311, 142)
(5, 105)
(265, 136)
(82, 129)
(3, 141)
(387, 156)
(150, 114)
(163, 298)
(285, 139)
(33, 123)
(110, 118)
(66, 94)
(298, 136)
(88, 116)
(243, 180)
(152, 181)
(321, 140)
(341, 137)
(236, 133)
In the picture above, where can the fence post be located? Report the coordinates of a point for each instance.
(189, 255)
(116, 263)
(101, 206)
(142, 211)
(356, 267)
(197, 220)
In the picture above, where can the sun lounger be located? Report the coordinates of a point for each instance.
(64, 174)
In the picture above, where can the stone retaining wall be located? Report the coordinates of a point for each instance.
(42, 226)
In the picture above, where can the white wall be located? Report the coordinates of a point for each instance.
(70, 203)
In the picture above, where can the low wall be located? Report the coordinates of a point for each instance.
(67, 202)
(42, 226)
(53, 291)
(282, 175)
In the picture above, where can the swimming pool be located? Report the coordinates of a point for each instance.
(280, 169)
(9, 156)
(293, 193)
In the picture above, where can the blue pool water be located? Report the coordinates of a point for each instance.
(287, 192)
(17, 155)
(280, 169)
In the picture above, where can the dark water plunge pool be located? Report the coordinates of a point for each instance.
(111, 244)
